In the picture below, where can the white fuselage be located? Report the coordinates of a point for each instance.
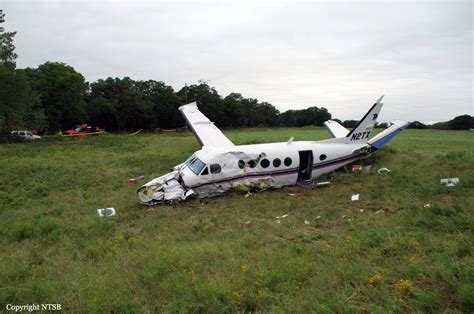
(220, 165)
(274, 164)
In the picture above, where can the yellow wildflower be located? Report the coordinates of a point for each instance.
(403, 288)
(375, 279)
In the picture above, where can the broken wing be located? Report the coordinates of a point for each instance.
(205, 131)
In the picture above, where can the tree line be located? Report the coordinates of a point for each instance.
(55, 97)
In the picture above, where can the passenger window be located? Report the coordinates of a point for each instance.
(252, 163)
(322, 157)
(265, 163)
(276, 162)
(241, 164)
(205, 172)
(288, 161)
(215, 168)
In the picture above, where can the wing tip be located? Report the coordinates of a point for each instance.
(190, 105)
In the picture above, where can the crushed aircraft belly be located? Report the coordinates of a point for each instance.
(171, 188)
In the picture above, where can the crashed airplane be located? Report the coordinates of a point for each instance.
(220, 165)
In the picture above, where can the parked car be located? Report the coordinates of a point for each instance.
(83, 129)
(26, 134)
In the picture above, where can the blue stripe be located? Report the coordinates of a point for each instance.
(284, 172)
(381, 142)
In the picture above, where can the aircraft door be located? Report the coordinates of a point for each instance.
(305, 166)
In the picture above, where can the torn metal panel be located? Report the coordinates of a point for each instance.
(165, 189)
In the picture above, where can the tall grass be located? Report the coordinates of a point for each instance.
(390, 251)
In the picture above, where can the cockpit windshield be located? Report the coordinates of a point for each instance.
(195, 164)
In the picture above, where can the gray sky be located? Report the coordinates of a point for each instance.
(340, 55)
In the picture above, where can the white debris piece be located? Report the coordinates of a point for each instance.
(379, 211)
(355, 197)
(291, 194)
(317, 217)
(449, 181)
(321, 184)
(427, 205)
(361, 210)
(106, 212)
(306, 222)
(383, 171)
(284, 216)
(278, 221)
(247, 222)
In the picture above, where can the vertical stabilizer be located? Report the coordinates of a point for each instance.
(361, 132)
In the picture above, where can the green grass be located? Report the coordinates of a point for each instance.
(387, 252)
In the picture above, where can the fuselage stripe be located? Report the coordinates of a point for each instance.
(286, 171)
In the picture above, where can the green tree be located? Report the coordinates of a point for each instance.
(7, 49)
(464, 122)
(165, 103)
(119, 105)
(417, 125)
(350, 123)
(16, 97)
(61, 93)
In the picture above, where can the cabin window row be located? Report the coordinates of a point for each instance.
(265, 163)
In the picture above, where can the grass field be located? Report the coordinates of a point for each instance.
(388, 252)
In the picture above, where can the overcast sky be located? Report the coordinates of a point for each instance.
(340, 55)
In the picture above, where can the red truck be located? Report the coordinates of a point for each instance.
(83, 129)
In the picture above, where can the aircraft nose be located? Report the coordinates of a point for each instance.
(164, 189)
(145, 194)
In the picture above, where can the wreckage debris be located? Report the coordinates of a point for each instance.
(356, 167)
(133, 181)
(383, 171)
(106, 212)
(355, 197)
(449, 181)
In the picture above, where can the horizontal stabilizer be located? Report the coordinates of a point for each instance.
(379, 140)
(336, 129)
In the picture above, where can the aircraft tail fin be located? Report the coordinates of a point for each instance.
(362, 130)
